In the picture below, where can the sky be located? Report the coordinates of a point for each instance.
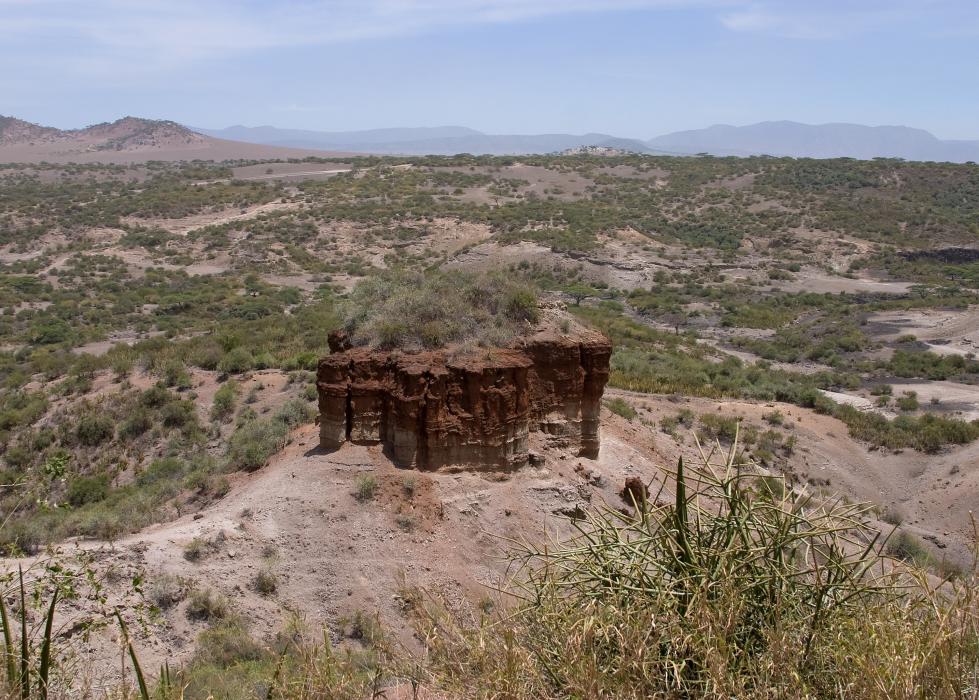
(633, 68)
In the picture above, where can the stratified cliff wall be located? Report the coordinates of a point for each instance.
(432, 410)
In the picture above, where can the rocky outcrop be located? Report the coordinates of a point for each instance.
(438, 409)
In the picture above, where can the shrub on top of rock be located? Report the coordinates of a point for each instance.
(412, 311)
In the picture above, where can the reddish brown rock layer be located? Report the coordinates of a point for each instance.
(430, 410)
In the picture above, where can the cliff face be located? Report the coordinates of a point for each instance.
(431, 410)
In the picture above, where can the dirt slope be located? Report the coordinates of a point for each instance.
(336, 555)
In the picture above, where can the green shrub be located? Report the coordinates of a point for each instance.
(87, 489)
(225, 399)
(156, 396)
(364, 628)
(227, 644)
(178, 414)
(137, 423)
(236, 361)
(749, 601)
(910, 548)
(928, 365)
(409, 486)
(908, 401)
(93, 430)
(295, 412)
(621, 407)
(718, 427)
(216, 486)
(161, 471)
(266, 582)
(365, 488)
(18, 456)
(310, 392)
(774, 418)
(207, 605)
(176, 375)
(197, 549)
(255, 441)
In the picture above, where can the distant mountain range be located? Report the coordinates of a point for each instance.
(818, 141)
(440, 140)
(781, 138)
(131, 139)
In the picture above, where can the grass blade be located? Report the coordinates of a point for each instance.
(25, 678)
(144, 692)
(8, 645)
(45, 664)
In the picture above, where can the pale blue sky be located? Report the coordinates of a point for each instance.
(634, 68)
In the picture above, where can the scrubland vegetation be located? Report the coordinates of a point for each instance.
(148, 310)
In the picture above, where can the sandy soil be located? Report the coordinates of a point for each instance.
(810, 280)
(334, 555)
(189, 224)
(945, 331)
(959, 400)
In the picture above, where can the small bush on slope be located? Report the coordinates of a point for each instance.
(621, 407)
(257, 439)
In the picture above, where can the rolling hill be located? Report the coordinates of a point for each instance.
(126, 140)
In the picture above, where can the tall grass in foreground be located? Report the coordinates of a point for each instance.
(722, 585)
(729, 589)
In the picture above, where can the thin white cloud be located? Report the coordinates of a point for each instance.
(115, 38)
(189, 29)
(836, 19)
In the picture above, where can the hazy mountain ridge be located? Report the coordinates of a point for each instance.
(441, 140)
(838, 140)
(306, 138)
(776, 138)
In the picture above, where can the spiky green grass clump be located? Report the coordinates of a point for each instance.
(725, 590)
